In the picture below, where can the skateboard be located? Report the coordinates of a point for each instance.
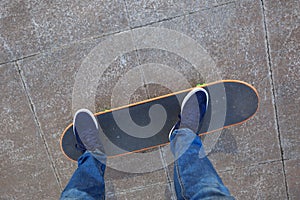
(145, 125)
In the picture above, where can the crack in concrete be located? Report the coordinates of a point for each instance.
(143, 77)
(273, 92)
(180, 15)
(165, 165)
(252, 165)
(33, 110)
(86, 39)
(101, 35)
(18, 59)
(127, 13)
(163, 20)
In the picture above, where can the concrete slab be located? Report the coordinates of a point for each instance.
(134, 171)
(258, 181)
(49, 78)
(282, 23)
(28, 27)
(52, 95)
(284, 43)
(233, 37)
(122, 182)
(17, 33)
(144, 12)
(59, 23)
(292, 170)
(158, 191)
(165, 72)
(26, 171)
(264, 181)
(121, 83)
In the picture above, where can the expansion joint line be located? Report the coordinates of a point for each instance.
(33, 110)
(273, 92)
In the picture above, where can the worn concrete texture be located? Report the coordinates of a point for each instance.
(57, 56)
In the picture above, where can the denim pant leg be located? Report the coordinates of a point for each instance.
(87, 181)
(194, 175)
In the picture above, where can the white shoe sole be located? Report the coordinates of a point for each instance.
(88, 112)
(192, 92)
(186, 98)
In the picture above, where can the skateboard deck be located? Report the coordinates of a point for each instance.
(145, 125)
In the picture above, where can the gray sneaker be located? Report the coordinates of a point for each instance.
(86, 130)
(193, 108)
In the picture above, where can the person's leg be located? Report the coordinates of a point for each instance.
(87, 181)
(194, 175)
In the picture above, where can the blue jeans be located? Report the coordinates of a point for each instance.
(87, 181)
(194, 175)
